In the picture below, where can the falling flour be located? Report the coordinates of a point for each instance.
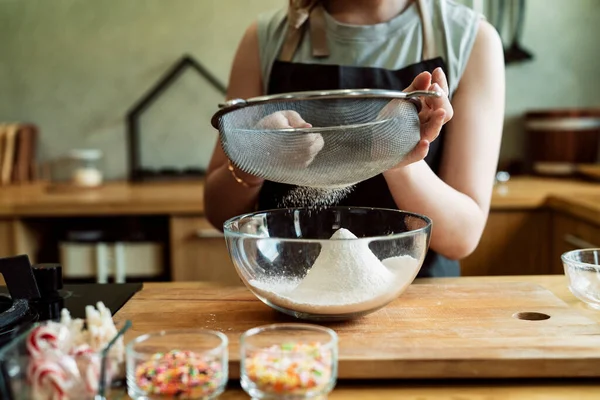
(311, 197)
(345, 278)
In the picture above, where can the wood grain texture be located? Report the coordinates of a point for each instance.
(448, 391)
(524, 193)
(571, 233)
(7, 246)
(562, 135)
(583, 206)
(512, 244)
(591, 171)
(445, 329)
(113, 198)
(9, 154)
(7, 243)
(199, 253)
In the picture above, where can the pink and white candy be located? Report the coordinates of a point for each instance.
(49, 377)
(40, 340)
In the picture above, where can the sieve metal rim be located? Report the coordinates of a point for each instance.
(236, 104)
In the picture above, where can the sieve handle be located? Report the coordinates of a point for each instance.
(422, 93)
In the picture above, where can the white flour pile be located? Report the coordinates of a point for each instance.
(310, 197)
(345, 278)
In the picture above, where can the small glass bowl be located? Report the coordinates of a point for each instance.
(582, 268)
(291, 361)
(177, 364)
(82, 376)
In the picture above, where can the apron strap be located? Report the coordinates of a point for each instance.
(429, 50)
(299, 11)
(318, 34)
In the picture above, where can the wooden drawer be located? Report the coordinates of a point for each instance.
(570, 233)
(6, 241)
(6, 238)
(513, 243)
(199, 253)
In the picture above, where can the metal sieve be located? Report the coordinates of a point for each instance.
(354, 135)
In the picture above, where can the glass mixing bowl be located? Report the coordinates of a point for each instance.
(582, 268)
(289, 259)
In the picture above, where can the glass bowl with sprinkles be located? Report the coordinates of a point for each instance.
(177, 364)
(290, 361)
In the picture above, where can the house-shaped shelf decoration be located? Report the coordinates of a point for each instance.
(136, 172)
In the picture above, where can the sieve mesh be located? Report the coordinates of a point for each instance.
(351, 139)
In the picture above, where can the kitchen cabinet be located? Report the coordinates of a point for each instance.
(199, 253)
(513, 243)
(6, 238)
(571, 233)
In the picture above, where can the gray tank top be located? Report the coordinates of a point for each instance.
(391, 45)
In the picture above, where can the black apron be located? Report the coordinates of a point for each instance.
(374, 192)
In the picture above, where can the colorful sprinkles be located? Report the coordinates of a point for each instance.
(290, 368)
(181, 374)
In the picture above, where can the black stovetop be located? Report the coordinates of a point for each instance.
(75, 297)
(36, 293)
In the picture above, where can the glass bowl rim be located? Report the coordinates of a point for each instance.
(331, 344)
(411, 233)
(566, 258)
(224, 340)
(24, 332)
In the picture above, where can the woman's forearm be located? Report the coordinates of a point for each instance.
(224, 197)
(458, 220)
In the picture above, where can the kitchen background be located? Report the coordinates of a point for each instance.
(76, 69)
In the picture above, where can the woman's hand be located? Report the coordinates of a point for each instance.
(288, 147)
(435, 112)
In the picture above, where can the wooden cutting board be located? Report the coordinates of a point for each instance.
(432, 331)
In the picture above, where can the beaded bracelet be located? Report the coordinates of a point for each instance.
(237, 178)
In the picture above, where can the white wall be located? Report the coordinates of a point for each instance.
(564, 37)
(74, 67)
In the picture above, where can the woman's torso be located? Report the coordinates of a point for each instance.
(382, 56)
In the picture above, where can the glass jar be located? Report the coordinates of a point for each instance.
(86, 167)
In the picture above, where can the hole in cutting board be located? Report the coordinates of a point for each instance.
(531, 316)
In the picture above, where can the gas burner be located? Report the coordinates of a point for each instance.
(36, 293)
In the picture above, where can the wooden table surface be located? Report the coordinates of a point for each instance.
(446, 390)
(176, 198)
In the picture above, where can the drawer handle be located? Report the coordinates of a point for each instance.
(578, 242)
(209, 233)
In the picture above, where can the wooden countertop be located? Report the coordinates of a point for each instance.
(113, 198)
(465, 390)
(533, 192)
(177, 198)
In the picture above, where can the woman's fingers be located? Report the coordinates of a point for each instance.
(432, 127)
(439, 77)
(283, 119)
(295, 120)
(421, 82)
(316, 144)
(440, 84)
